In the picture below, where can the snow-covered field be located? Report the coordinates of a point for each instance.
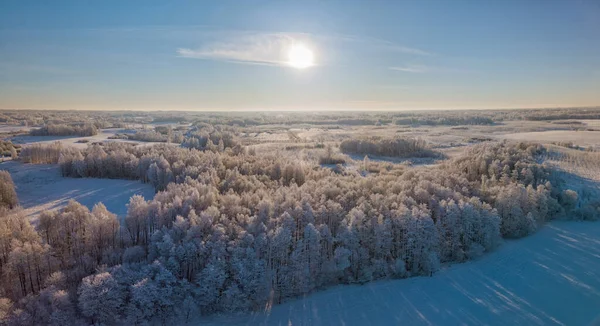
(40, 187)
(581, 138)
(12, 128)
(549, 278)
(74, 141)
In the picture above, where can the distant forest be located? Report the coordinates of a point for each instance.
(116, 119)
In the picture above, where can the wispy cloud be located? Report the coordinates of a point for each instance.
(385, 45)
(404, 49)
(418, 69)
(421, 69)
(263, 48)
(247, 48)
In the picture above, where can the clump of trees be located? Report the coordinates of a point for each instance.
(147, 135)
(232, 232)
(169, 136)
(41, 154)
(65, 130)
(212, 138)
(329, 157)
(42, 268)
(7, 148)
(163, 164)
(44, 154)
(566, 144)
(393, 147)
(8, 195)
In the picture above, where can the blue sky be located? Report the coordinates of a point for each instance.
(230, 55)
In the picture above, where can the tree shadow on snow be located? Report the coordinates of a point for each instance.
(550, 278)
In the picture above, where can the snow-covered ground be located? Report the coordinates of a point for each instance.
(12, 128)
(549, 278)
(581, 138)
(102, 136)
(40, 187)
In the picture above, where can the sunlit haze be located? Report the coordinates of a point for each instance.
(300, 56)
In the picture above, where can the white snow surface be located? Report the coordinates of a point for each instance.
(40, 187)
(12, 128)
(581, 138)
(73, 141)
(549, 278)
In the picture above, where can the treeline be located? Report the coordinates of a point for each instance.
(65, 130)
(444, 120)
(160, 165)
(564, 114)
(154, 136)
(394, 147)
(146, 135)
(45, 153)
(101, 119)
(106, 119)
(178, 118)
(232, 231)
(157, 136)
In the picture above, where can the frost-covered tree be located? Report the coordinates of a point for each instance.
(104, 228)
(136, 221)
(156, 296)
(8, 195)
(101, 298)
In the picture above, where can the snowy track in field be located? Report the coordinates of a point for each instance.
(40, 187)
(549, 278)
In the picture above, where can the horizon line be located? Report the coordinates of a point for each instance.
(312, 110)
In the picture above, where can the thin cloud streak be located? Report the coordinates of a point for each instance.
(242, 57)
(385, 44)
(418, 69)
(270, 49)
(260, 48)
(422, 69)
(405, 49)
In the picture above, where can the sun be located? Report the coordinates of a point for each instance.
(300, 56)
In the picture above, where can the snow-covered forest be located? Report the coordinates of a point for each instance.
(230, 230)
(103, 119)
(65, 130)
(398, 147)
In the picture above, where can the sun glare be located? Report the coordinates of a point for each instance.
(300, 56)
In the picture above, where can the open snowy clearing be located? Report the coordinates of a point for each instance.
(4, 128)
(581, 138)
(75, 141)
(40, 187)
(591, 123)
(549, 278)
